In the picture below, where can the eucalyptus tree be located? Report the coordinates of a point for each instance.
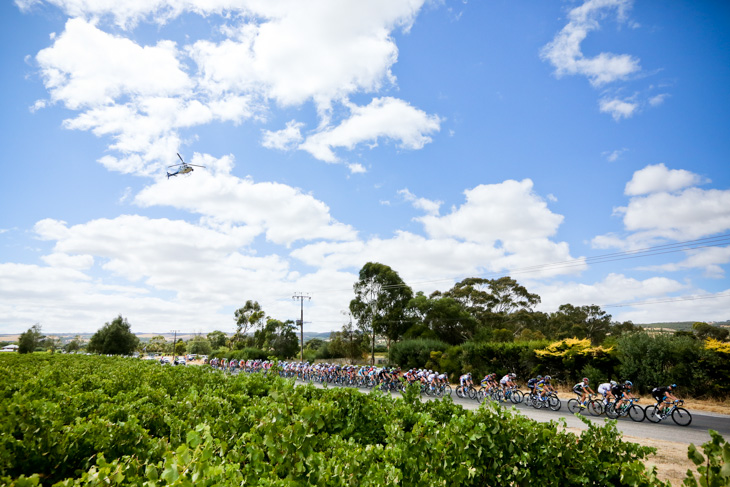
(447, 317)
(381, 297)
(248, 317)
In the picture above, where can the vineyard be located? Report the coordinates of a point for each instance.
(86, 420)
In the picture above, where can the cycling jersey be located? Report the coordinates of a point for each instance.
(604, 388)
(505, 379)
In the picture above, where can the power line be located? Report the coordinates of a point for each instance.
(697, 244)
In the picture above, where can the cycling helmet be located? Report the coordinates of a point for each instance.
(547, 377)
(513, 375)
(673, 386)
(585, 379)
(469, 374)
(539, 377)
(613, 383)
(628, 383)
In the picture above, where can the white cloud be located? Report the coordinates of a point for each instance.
(284, 139)
(564, 51)
(429, 206)
(657, 178)
(661, 207)
(618, 109)
(288, 52)
(508, 211)
(613, 289)
(79, 71)
(387, 118)
(690, 214)
(356, 168)
(613, 156)
(657, 100)
(283, 213)
(699, 306)
(709, 259)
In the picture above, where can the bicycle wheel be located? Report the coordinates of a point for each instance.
(516, 397)
(554, 403)
(472, 393)
(528, 400)
(636, 413)
(447, 391)
(681, 416)
(574, 406)
(595, 407)
(611, 411)
(652, 414)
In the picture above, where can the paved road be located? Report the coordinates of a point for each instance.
(667, 430)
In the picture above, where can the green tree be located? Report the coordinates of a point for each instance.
(492, 301)
(200, 346)
(380, 301)
(52, 343)
(278, 337)
(581, 322)
(350, 342)
(30, 339)
(249, 317)
(74, 345)
(314, 344)
(115, 338)
(705, 331)
(450, 321)
(217, 339)
(157, 344)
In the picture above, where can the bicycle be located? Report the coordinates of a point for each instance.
(551, 401)
(592, 404)
(467, 392)
(515, 395)
(627, 409)
(681, 416)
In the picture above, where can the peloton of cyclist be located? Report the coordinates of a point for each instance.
(582, 389)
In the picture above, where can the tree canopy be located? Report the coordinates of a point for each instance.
(30, 339)
(381, 297)
(115, 338)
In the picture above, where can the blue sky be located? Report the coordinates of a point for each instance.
(446, 139)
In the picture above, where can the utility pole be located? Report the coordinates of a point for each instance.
(301, 298)
(174, 343)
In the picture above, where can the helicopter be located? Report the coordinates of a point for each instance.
(185, 168)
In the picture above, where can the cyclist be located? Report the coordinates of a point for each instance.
(661, 394)
(532, 383)
(628, 393)
(582, 389)
(465, 380)
(544, 386)
(605, 390)
(507, 381)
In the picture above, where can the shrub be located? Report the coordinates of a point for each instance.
(414, 353)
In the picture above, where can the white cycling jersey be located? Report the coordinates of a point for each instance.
(505, 379)
(604, 388)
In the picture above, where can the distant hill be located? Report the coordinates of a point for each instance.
(679, 325)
